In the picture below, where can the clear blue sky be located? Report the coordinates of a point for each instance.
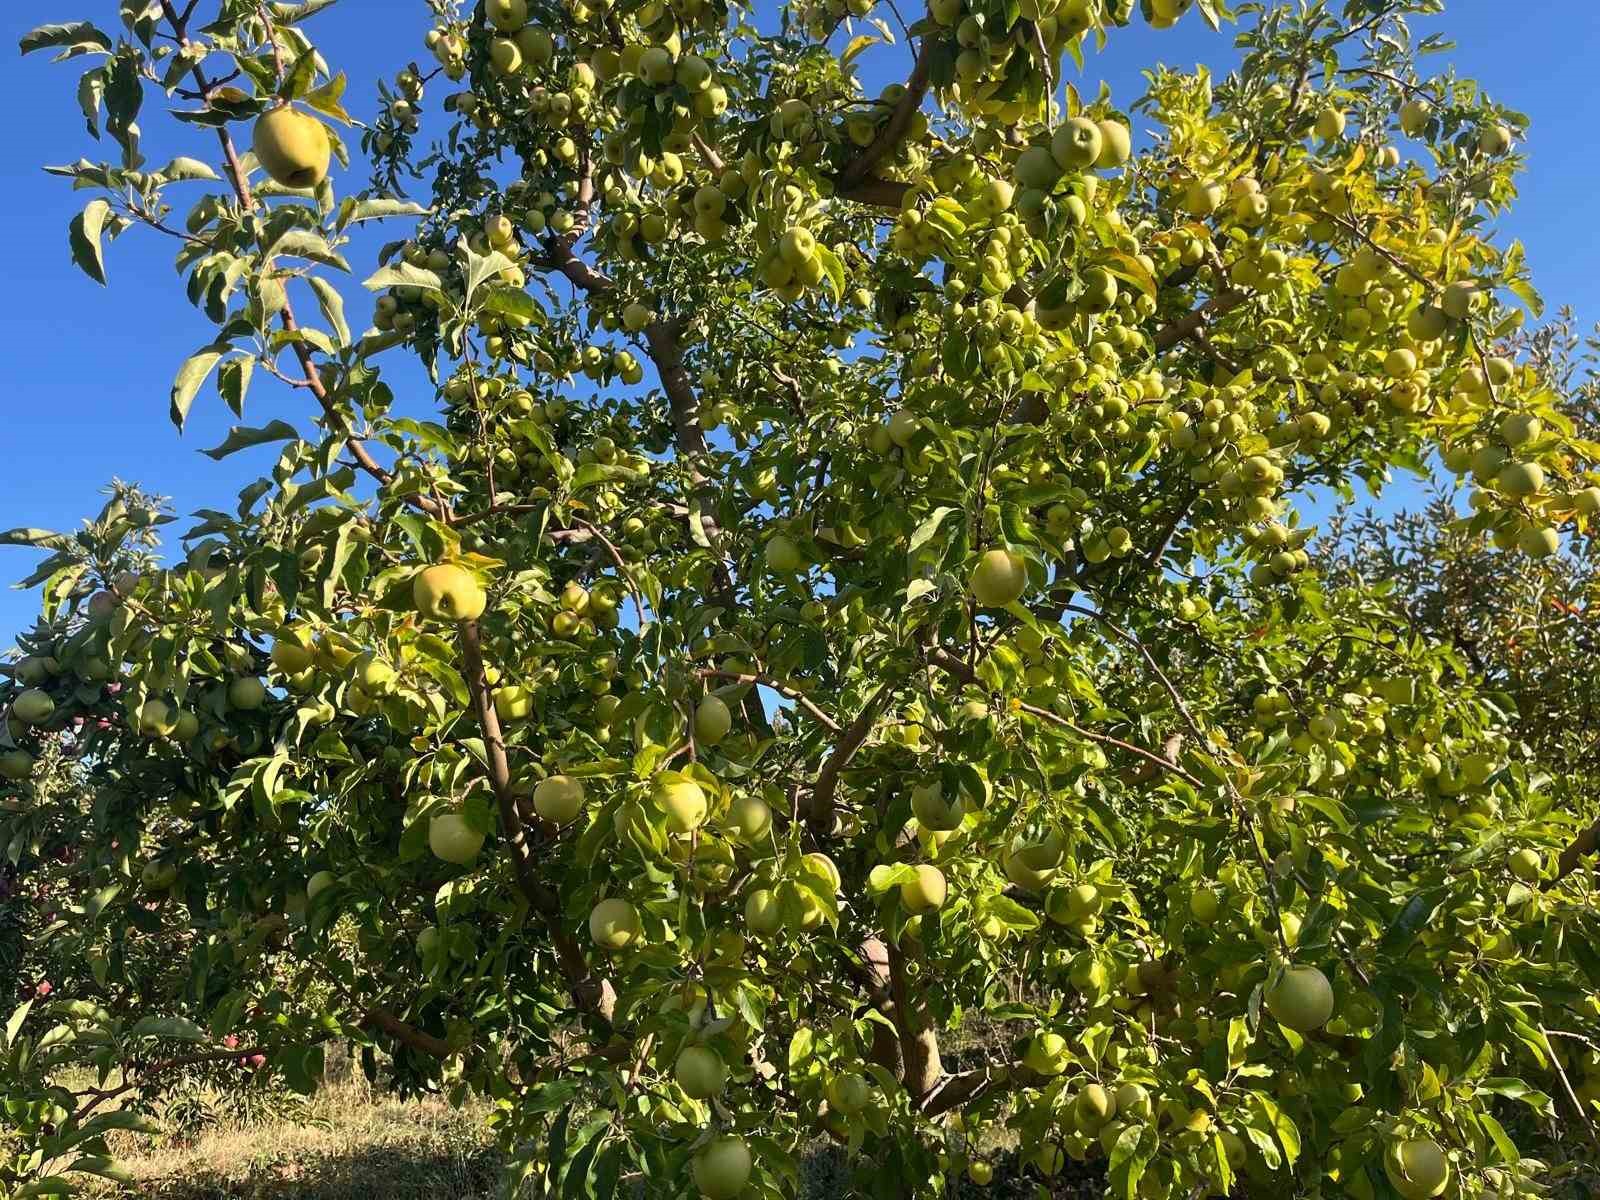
(87, 370)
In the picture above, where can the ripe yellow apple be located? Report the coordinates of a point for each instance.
(1046, 1054)
(558, 799)
(1520, 479)
(980, 1172)
(999, 579)
(292, 147)
(247, 693)
(1300, 999)
(448, 593)
(712, 721)
(1330, 124)
(848, 1093)
(508, 16)
(1495, 140)
(1116, 144)
(155, 718)
(700, 1072)
(614, 924)
(291, 657)
(1414, 116)
(722, 1168)
(1417, 1168)
(683, 800)
(1076, 144)
(1132, 1103)
(824, 868)
(1204, 905)
(926, 892)
(452, 839)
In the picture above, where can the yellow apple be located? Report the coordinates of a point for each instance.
(559, 799)
(292, 147)
(999, 579)
(683, 800)
(452, 839)
(614, 924)
(924, 893)
(448, 593)
(1417, 1168)
(1300, 999)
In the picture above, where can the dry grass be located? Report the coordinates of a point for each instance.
(346, 1143)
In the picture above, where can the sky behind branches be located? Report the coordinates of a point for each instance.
(88, 369)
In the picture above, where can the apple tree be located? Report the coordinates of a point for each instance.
(794, 621)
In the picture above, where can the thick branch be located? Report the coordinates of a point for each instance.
(592, 994)
(765, 681)
(405, 1034)
(919, 1041)
(1585, 844)
(827, 785)
(860, 169)
(1187, 326)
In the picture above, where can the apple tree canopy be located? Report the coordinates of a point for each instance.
(837, 661)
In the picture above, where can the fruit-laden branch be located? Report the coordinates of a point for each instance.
(782, 689)
(919, 1040)
(405, 1034)
(592, 994)
(860, 169)
(949, 663)
(851, 740)
(1585, 844)
(302, 351)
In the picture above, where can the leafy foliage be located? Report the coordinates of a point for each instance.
(930, 650)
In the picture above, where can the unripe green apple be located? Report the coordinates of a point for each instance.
(712, 721)
(749, 819)
(999, 579)
(848, 1093)
(613, 924)
(158, 876)
(319, 882)
(933, 811)
(33, 707)
(155, 718)
(452, 839)
(448, 593)
(290, 656)
(247, 693)
(1205, 905)
(1300, 999)
(700, 1072)
(1526, 864)
(784, 556)
(1037, 168)
(1046, 1054)
(292, 147)
(1520, 479)
(722, 1168)
(1495, 140)
(763, 913)
(1094, 1107)
(559, 799)
(1414, 116)
(1132, 1103)
(16, 765)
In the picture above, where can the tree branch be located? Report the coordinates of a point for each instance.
(827, 785)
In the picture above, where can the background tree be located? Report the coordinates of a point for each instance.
(930, 645)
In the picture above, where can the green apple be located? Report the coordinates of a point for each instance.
(1116, 144)
(33, 707)
(559, 799)
(448, 593)
(1495, 140)
(682, 799)
(700, 1072)
(722, 1168)
(749, 819)
(999, 579)
(1076, 144)
(933, 811)
(1205, 905)
(1037, 168)
(290, 656)
(451, 838)
(1417, 1168)
(1526, 864)
(1330, 124)
(1414, 116)
(848, 1092)
(926, 892)
(784, 556)
(613, 923)
(1520, 479)
(247, 693)
(763, 914)
(1300, 999)
(158, 876)
(16, 765)
(508, 16)
(1046, 1054)
(155, 718)
(292, 147)
(712, 721)
(1132, 1102)
(320, 882)
(1093, 1107)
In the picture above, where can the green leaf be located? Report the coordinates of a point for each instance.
(69, 36)
(302, 243)
(929, 526)
(233, 381)
(191, 375)
(328, 99)
(402, 274)
(84, 234)
(332, 305)
(184, 170)
(179, 1028)
(353, 211)
(15, 1020)
(241, 437)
